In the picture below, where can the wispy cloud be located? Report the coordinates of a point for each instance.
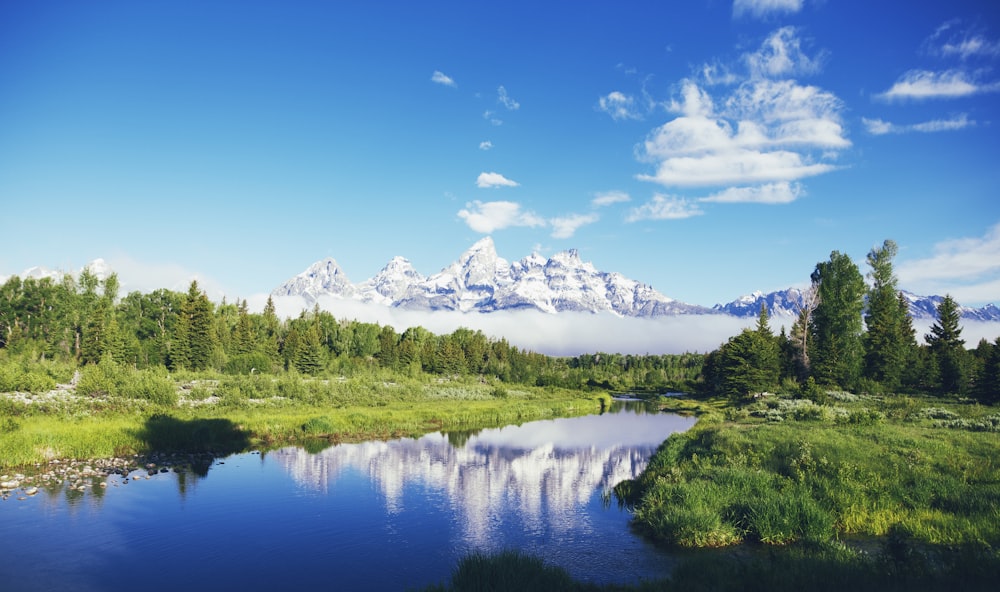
(608, 198)
(491, 117)
(664, 207)
(442, 78)
(619, 106)
(487, 217)
(504, 99)
(781, 55)
(766, 129)
(566, 227)
(486, 145)
(770, 193)
(879, 127)
(952, 39)
(966, 268)
(947, 84)
(764, 8)
(491, 180)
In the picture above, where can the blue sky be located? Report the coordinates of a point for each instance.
(708, 148)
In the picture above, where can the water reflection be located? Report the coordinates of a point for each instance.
(542, 472)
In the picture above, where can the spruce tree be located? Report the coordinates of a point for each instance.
(837, 351)
(887, 342)
(948, 348)
(194, 340)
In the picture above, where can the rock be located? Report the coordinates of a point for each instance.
(31, 491)
(11, 484)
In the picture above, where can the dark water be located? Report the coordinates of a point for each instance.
(373, 516)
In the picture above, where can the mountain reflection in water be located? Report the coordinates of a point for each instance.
(543, 471)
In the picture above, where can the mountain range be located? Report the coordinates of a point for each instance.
(481, 281)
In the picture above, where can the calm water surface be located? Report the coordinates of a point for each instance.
(373, 516)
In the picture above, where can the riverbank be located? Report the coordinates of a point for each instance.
(853, 492)
(235, 414)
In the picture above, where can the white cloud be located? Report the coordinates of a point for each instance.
(965, 43)
(878, 127)
(492, 118)
(764, 130)
(925, 84)
(485, 145)
(619, 106)
(664, 207)
(486, 217)
(490, 180)
(566, 226)
(442, 78)
(504, 99)
(608, 198)
(781, 55)
(970, 47)
(762, 8)
(563, 334)
(771, 193)
(966, 268)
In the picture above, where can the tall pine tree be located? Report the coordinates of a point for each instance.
(837, 351)
(888, 342)
(948, 348)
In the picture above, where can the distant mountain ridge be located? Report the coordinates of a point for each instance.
(481, 281)
(788, 303)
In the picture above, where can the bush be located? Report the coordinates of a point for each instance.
(252, 363)
(151, 385)
(15, 377)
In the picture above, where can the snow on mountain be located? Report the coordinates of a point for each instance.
(392, 283)
(481, 281)
(783, 303)
(323, 278)
(788, 303)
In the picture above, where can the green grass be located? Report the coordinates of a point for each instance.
(124, 411)
(783, 471)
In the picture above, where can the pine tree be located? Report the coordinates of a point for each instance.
(836, 330)
(887, 342)
(947, 347)
(308, 352)
(194, 339)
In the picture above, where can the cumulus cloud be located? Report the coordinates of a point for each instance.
(485, 145)
(664, 207)
(504, 99)
(764, 8)
(566, 227)
(442, 78)
(948, 84)
(619, 106)
(487, 217)
(489, 180)
(770, 193)
(879, 127)
(966, 268)
(764, 130)
(609, 198)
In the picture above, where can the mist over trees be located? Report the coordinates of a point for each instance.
(848, 335)
(81, 321)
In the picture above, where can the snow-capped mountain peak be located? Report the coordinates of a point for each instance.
(481, 281)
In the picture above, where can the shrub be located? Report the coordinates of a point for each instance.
(152, 385)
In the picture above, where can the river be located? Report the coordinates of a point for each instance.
(377, 515)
